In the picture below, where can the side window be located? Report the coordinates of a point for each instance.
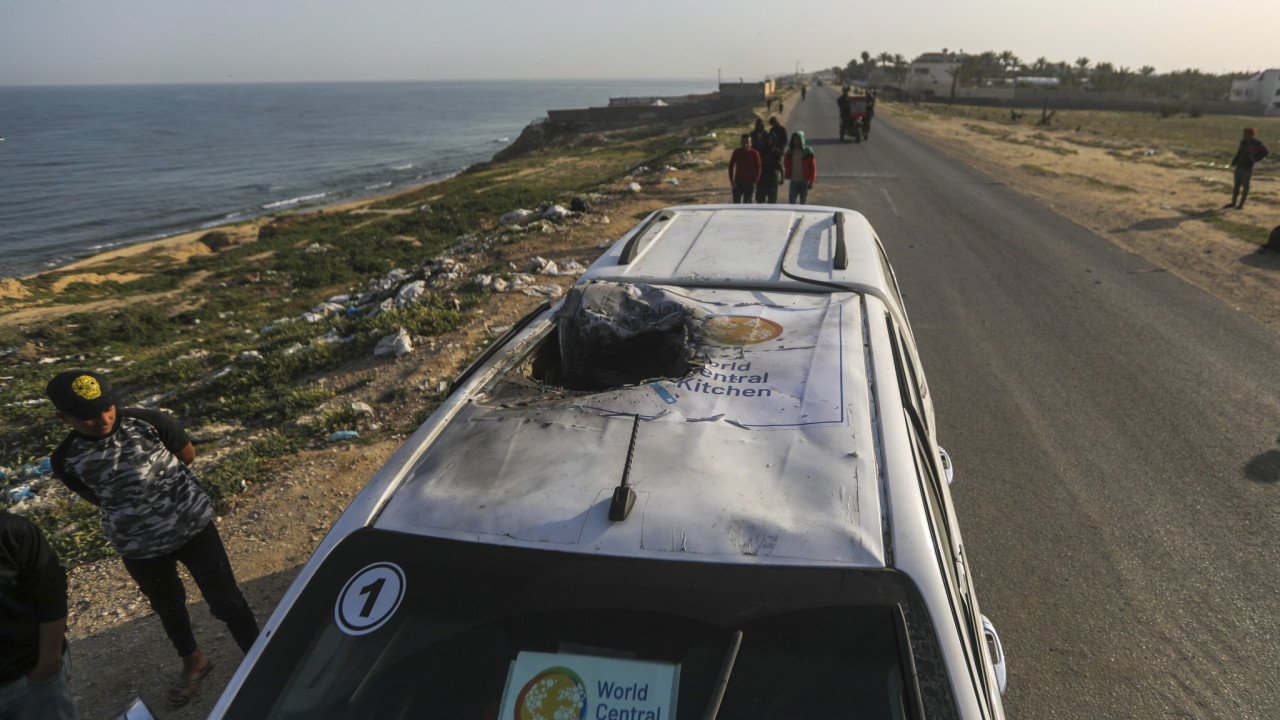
(950, 560)
(909, 381)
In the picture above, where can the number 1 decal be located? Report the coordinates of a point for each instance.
(369, 598)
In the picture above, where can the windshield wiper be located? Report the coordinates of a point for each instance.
(722, 682)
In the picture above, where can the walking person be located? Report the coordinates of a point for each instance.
(778, 132)
(800, 167)
(134, 465)
(758, 134)
(35, 666)
(770, 171)
(744, 171)
(1251, 151)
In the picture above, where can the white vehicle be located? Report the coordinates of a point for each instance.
(705, 484)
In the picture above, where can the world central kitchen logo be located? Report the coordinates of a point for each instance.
(559, 693)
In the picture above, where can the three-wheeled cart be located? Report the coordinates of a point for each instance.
(854, 120)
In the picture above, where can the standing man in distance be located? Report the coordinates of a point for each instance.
(133, 463)
(35, 664)
(1251, 151)
(770, 171)
(744, 171)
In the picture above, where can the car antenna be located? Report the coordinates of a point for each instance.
(722, 682)
(624, 497)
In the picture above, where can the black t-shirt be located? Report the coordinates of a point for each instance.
(33, 590)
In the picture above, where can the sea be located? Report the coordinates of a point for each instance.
(92, 168)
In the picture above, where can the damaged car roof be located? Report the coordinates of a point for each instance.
(763, 449)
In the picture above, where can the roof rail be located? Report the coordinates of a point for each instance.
(841, 259)
(631, 249)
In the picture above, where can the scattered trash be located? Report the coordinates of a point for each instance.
(20, 493)
(360, 408)
(632, 187)
(673, 181)
(515, 217)
(250, 356)
(557, 212)
(549, 291)
(341, 435)
(397, 343)
(411, 292)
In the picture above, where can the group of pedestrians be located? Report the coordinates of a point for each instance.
(765, 159)
(134, 464)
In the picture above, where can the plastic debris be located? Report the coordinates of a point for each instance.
(549, 291)
(360, 408)
(557, 212)
(411, 292)
(341, 435)
(397, 343)
(18, 494)
(632, 187)
(515, 217)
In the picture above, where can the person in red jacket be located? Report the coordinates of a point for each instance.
(744, 171)
(800, 167)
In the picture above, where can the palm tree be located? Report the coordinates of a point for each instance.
(1008, 61)
(900, 67)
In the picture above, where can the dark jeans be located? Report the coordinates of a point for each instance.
(766, 193)
(1241, 188)
(799, 190)
(742, 192)
(206, 560)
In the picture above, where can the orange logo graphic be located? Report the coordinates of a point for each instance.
(556, 692)
(742, 329)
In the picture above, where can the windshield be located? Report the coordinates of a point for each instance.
(407, 627)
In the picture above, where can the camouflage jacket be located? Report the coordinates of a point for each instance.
(151, 502)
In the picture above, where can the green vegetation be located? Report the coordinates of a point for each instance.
(225, 339)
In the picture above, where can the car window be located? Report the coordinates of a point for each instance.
(950, 559)
(910, 380)
(814, 642)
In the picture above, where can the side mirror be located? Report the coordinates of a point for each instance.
(948, 470)
(996, 650)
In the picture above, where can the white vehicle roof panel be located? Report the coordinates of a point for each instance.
(787, 477)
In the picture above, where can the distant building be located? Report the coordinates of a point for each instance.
(1261, 89)
(931, 73)
(745, 92)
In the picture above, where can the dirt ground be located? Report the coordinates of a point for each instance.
(1135, 204)
(119, 648)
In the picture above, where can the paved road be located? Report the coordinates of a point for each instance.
(1115, 436)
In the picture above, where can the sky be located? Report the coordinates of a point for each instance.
(89, 42)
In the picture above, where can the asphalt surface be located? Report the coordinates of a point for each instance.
(1115, 435)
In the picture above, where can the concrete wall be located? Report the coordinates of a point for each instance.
(731, 95)
(639, 113)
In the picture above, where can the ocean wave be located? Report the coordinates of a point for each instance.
(294, 201)
(378, 186)
(402, 167)
(503, 140)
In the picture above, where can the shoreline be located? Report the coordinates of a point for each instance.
(184, 243)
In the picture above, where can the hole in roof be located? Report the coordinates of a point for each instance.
(609, 336)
